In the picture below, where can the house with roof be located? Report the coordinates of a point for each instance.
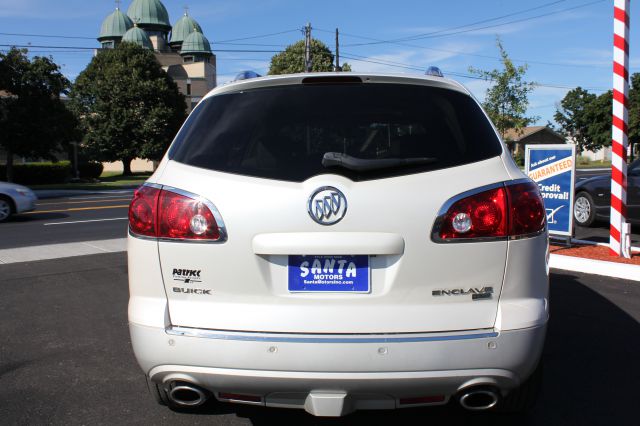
(182, 49)
(516, 139)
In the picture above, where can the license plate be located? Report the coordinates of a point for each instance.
(320, 273)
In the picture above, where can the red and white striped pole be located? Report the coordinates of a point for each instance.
(619, 240)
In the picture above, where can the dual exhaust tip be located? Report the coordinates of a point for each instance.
(184, 394)
(479, 398)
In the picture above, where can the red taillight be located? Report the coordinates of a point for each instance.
(526, 209)
(480, 215)
(163, 213)
(142, 211)
(504, 211)
(185, 218)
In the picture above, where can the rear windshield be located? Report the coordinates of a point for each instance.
(285, 132)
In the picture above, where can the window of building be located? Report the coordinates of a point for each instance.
(187, 59)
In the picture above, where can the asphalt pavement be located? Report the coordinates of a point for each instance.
(83, 217)
(582, 174)
(66, 358)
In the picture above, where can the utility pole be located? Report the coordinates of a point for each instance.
(338, 69)
(307, 48)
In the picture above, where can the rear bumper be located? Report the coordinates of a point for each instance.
(375, 371)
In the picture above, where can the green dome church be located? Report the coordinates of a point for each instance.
(182, 49)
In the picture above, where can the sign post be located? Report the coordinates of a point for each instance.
(619, 241)
(553, 168)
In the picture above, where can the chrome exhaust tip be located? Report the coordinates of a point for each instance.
(186, 395)
(478, 399)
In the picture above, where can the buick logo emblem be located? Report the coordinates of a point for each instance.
(327, 205)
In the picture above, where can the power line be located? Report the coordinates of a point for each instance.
(97, 48)
(456, 74)
(445, 32)
(94, 38)
(531, 18)
(48, 36)
(408, 38)
(478, 55)
(257, 36)
(28, 46)
(251, 44)
(556, 64)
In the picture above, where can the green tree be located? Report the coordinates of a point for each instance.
(506, 101)
(291, 60)
(34, 122)
(599, 116)
(587, 117)
(127, 106)
(575, 115)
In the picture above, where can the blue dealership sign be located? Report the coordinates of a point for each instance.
(553, 168)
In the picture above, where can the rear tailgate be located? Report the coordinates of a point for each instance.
(243, 283)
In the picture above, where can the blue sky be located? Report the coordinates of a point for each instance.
(571, 45)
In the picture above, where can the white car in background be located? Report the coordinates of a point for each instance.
(15, 199)
(336, 242)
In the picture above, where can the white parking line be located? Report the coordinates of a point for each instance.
(85, 221)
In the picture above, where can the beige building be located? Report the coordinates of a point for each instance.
(182, 49)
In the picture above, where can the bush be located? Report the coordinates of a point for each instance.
(39, 173)
(91, 170)
(519, 159)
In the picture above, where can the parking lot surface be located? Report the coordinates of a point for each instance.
(65, 356)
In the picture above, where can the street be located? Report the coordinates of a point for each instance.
(66, 356)
(86, 217)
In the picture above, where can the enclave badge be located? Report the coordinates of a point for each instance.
(476, 293)
(327, 205)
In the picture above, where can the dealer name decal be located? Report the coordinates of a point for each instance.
(187, 275)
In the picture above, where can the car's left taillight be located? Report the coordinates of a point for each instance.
(172, 214)
(143, 211)
(511, 209)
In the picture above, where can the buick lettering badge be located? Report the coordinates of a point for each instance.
(327, 205)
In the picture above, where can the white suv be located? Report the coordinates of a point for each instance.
(337, 242)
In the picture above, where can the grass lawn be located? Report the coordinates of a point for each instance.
(583, 163)
(108, 180)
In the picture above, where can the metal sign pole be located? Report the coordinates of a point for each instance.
(619, 241)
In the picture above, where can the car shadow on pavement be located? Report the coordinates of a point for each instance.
(591, 373)
(66, 357)
(33, 217)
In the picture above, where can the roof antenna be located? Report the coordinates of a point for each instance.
(186, 10)
(118, 4)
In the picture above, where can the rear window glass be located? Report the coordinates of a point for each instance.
(284, 132)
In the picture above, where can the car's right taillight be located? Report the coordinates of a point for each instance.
(500, 211)
(526, 209)
(172, 214)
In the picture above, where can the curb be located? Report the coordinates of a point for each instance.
(58, 251)
(595, 267)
